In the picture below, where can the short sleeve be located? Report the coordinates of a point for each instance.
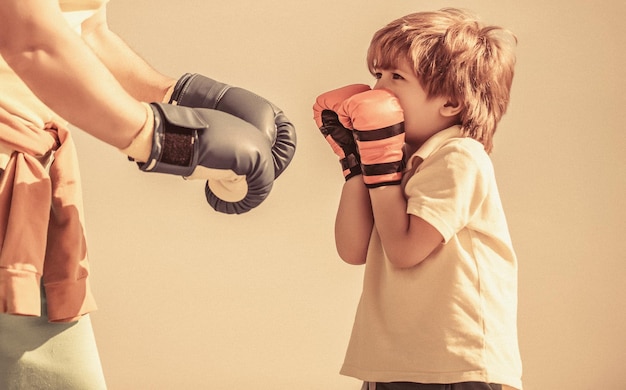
(76, 12)
(81, 5)
(449, 187)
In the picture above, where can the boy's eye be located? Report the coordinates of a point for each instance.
(395, 76)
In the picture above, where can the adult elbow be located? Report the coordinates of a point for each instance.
(26, 26)
(23, 44)
(11, 50)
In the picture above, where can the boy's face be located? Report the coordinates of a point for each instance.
(423, 116)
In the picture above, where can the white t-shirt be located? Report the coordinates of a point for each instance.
(453, 317)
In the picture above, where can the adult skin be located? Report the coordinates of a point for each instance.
(64, 72)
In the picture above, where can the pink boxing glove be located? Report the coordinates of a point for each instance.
(340, 139)
(377, 121)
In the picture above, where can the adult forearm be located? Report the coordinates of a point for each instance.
(139, 78)
(65, 74)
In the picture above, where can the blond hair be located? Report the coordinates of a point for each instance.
(456, 56)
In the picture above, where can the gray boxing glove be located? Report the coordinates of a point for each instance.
(195, 90)
(194, 143)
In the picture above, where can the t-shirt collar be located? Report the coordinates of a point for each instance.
(433, 144)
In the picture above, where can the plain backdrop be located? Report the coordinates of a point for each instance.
(193, 299)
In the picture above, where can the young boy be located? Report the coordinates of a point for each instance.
(420, 206)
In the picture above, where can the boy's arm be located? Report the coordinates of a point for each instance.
(407, 239)
(64, 73)
(378, 123)
(354, 222)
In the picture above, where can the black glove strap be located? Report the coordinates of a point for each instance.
(177, 147)
(173, 145)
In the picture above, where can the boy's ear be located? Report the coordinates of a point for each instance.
(450, 108)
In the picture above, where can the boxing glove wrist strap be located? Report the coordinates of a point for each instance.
(381, 155)
(168, 145)
(174, 142)
(351, 163)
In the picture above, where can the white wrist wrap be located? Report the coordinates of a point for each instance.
(139, 149)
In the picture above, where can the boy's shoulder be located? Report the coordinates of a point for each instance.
(467, 149)
(466, 144)
(449, 141)
(464, 153)
(449, 150)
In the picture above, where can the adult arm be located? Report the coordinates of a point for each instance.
(64, 73)
(138, 77)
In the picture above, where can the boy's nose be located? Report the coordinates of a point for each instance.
(380, 84)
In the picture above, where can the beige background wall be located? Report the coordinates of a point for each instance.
(192, 299)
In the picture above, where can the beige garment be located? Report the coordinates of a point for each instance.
(17, 99)
(41, 216)
(41, 224)
(81, 5)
